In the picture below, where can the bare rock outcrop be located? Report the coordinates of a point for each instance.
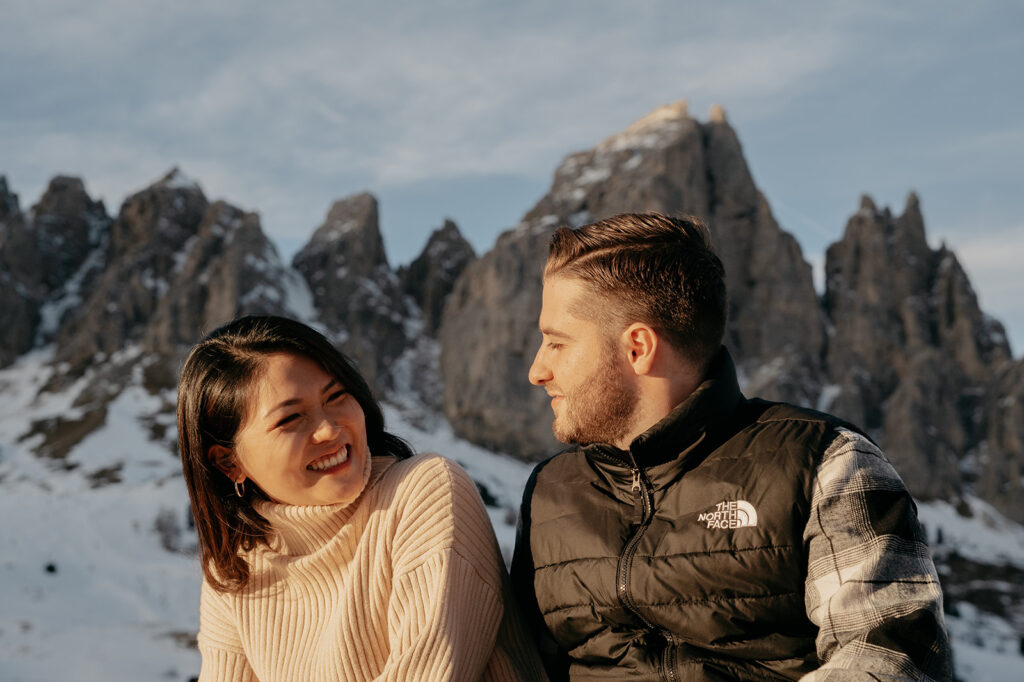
(41, 254)
(20, 294)
(354, 289)
(139, 260)
(430, 278)
(229, 268)
(665, 162)
(910, 354)
(68, 225)
(998, 462)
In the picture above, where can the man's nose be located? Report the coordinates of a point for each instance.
(539, 373)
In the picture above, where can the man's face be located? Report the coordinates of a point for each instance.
(591, 385)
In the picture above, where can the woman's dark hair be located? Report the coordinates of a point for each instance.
(213, 391)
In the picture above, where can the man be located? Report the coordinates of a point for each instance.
(690, 533)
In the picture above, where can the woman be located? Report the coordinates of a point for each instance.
(329, 551)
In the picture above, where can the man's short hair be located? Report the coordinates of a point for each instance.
(650, 268)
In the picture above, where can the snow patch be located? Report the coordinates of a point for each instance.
(593, 175)
(986, 536)
(178, 180)
(828, 397)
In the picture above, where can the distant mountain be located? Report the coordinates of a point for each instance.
(897, 343)
(100, 310)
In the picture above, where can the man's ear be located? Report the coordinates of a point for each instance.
(641, 344)
(224, 459)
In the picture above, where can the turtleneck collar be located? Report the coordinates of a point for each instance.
(300, 529)
(714, 399)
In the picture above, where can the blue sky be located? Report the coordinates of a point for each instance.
(464, 109)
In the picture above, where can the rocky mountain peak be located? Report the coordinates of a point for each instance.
(355, 291)
(8, 200)
(20, 288)
(162, 216)
(69, 225)
(665, 162)
(430, 278)
(653, 130)
(867, 205)
(230, 268)
(349, 239)
(351, 218)
(140, 258)
(911, 352)
(663, 116)
(176, 179)
(717, 114)
(40, 257)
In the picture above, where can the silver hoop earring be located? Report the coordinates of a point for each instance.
(240, 488)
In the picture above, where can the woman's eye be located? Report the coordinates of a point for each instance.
(287, 420)
(554, 346)
(336, 395)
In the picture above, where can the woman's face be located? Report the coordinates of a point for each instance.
(303, 438)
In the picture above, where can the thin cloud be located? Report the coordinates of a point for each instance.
(284, 108)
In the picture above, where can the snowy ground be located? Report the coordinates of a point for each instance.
(97, 579)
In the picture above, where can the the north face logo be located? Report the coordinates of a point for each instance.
(730, 514)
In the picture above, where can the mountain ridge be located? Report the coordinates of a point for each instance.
(101, 309)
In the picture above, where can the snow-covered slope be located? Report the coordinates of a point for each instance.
(99, 580)
(98, 576)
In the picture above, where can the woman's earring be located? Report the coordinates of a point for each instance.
(240, 488)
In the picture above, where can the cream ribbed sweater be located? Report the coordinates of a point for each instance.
(405, 583)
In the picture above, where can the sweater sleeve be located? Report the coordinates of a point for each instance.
(219, 643)
(446, 607)
(871, 587)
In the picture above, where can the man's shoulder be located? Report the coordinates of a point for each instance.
(774, 412)
(560, 461)
(560, 469)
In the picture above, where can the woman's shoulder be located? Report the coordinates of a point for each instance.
(427, 476)
(426, 470)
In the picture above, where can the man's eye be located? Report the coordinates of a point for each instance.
(554, 346)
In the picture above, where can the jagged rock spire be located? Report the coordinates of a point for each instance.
(910, 346)
(354, 289)
(429, 279)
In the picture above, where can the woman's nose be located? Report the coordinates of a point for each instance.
(326, 430)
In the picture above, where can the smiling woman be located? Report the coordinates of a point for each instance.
(329, 551)
(303, 441)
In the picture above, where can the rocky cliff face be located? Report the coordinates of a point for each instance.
(666, 162)
(911, 357)
(19, 292)
(430, 278)
(354, 288)
(41, 252)
(997, 463)
(130, 273)
(897, 343)
(227, 269)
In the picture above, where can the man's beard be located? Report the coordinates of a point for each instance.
(599, 410)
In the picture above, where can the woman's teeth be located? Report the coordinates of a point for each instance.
(332, 461)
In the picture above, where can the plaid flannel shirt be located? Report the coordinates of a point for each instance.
(871, 584)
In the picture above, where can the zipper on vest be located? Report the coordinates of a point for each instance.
(668, 657)
(626, 558)
(625, 569)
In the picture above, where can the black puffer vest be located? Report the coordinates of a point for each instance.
(683, 558)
